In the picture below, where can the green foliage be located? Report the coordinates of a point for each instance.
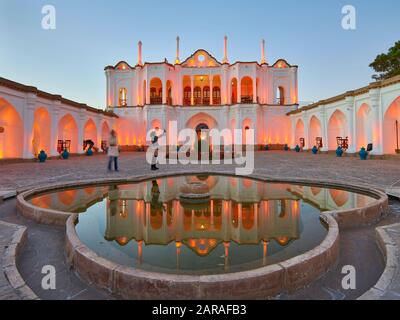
(387, 65)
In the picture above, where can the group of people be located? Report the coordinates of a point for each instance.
(113, 150)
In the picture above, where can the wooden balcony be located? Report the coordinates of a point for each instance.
(155, 100)
(246, 99)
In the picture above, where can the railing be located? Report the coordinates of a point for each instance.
(206, 101)
(247, 99)
(197, 101)
(342, 142)
(216, 101)
(156, 100)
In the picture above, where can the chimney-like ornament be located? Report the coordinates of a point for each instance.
(225, 60)
(177, 61)
(140, 53)
(263, 59)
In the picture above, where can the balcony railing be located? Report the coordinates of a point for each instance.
(156, 100)
(217, 101)
(247, 99)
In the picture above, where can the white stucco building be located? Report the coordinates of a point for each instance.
(200, 92)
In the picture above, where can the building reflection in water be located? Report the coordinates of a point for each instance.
(246, 212)
(201, 213)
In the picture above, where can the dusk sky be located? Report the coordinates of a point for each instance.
(92, 34)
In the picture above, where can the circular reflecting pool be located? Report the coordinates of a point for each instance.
(200, 224)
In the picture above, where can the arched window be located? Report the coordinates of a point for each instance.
(123, 97)
(216, 95)
(187, 95)
(155, 91)
(197, 95)
(234, 91)
(246, 90)
(280, 96)
(206, 95)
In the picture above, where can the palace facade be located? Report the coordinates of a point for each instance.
(202, 92)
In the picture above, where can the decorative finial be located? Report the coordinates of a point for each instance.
(225, 59)
(263, 59)
(177, 61)
(140, 53)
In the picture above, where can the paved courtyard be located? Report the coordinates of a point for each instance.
(377, 173)
(45, 243)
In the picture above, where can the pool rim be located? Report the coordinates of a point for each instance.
(262, 282)
(370, 213)
(288, 275)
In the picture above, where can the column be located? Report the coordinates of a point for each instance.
(254, 90)
(99, 132)
(179, 87)
(81, 123)
(293, 132)
(29, 114)
(224, 89)
(147, 91)
(55, 111)
(239, 90)
(324, 124)
(350, 124)
(164, 91)
(108, 88)
(377, 139)
(191, 90)
(211, 89)
(305, 119)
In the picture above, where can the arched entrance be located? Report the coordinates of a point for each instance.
(336, 129)
(391, 128)
(202, 123)
(68, 132)
(90, 131)
(364, 126)
(299, 133)
(11, 131)
(41, 131)
(315, 131)
(280, 96)
(202, 145)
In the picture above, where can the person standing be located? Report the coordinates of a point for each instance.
(113, 151)
(154, 149)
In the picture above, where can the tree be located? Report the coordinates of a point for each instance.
(387, 64)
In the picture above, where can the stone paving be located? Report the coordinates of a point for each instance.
(6, 291)
(377, 173)
(21, 176)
